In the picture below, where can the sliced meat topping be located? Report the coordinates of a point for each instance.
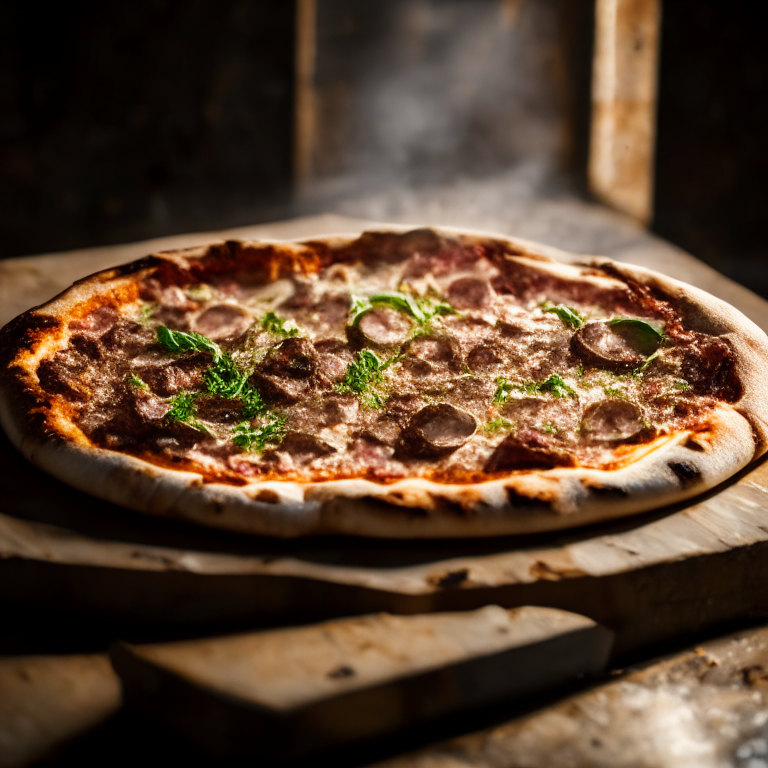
(381, 328)
(169, 379)
(219, 410)
(295, 358)
(528, 449)
(304, 448)
(222, 321)
(610, 346)
(708, 366)
(438, 352)
(611, 420)
(127, 339)
(470, 293)
(436, 430)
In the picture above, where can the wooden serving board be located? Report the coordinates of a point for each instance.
(650, 578)
(287, 693)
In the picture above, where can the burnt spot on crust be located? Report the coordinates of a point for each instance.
(449, 579)
(608, 491)
(686, 473)
(522, 502)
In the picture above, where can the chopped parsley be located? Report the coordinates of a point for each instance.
(553, 384)
(145, 315)
(365, 378)
(254, 439)
(184, 409)
(682, 385)
(549, 428)
(615, 392)
(135, 381)
(277, 325)
(500, 423)
(580, 370)
(567, 314)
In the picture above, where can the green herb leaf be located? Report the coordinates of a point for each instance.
(275, 324)
(421, 309)
(555, 385)
(615, 392)
(364, 377)
(254, 439)
(568, 315)
(503, 390)
(179, 342)
(638, 372)
(647, 334)
(135, 381)
(496, 424)
(225, 377)
(682, 385)
(550, 428)
(145, 315)
(182, 407)
(580, 370)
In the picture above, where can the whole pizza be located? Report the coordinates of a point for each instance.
(423, 383)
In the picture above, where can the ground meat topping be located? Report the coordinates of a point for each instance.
(473, 362)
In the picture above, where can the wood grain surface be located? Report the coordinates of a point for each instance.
(706, 707)
(289, 692)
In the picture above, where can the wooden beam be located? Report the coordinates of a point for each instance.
(304, 119)
(624, 83)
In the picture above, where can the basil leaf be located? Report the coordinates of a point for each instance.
(568, 315)
(179, 341)
(648, 336)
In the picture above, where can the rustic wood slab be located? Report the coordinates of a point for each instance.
(651, 577)
(47, 701)
(290, 692)
(704, 708)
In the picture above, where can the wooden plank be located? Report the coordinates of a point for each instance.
(624, 104)
(304, 120)
(704, 708)
(47, 701)
(291, 692)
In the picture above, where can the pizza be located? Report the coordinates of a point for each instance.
(411, 383)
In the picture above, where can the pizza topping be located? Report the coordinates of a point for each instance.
(613, 345)
(381, 328)
(470, 293)
(436, 430)
(610, 420)
(277, 325)
(528, 449)
(436, 368)
(222, 321)
(567, 314)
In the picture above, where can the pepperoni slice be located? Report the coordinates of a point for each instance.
(527, 450)
(608, 346)
(222, 321)
(611, 420)
(382, 328)
(436, 430)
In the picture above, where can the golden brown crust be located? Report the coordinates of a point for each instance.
(667, 470)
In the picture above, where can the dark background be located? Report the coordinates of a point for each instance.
(120, 122)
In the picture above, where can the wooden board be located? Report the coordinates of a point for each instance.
(290, 692)
(46, 701)
(704, 708)
(651, 577)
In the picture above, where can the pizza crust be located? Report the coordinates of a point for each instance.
(670, 470)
